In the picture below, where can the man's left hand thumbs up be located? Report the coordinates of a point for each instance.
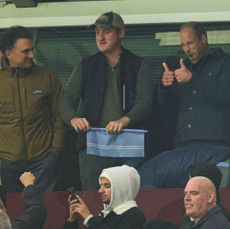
(182, 74)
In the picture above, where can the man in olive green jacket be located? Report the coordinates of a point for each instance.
(31, 129)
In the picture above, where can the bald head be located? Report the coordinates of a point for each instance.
(203, 182)
(199, 197)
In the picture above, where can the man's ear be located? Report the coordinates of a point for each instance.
(8, 54)
(204, 39)
(122, 33)
(211, 197)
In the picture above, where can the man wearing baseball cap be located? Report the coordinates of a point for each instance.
(112, 95)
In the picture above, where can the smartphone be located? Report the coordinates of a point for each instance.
(73, 193)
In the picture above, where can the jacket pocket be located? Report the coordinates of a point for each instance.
(8, 102)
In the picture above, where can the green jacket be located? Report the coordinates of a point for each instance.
(30, 124)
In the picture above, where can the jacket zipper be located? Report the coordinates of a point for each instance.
(123, 97)
(14, 99)
(21, 116)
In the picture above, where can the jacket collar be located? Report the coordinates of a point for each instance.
(15, 71)
(214, 52)
(208, 215)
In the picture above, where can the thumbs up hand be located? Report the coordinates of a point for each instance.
(168, 76)
(182, 74)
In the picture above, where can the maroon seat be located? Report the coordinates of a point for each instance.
(156, 203)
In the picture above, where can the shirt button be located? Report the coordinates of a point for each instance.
(190, 108)
(194, 92)
(189, 126)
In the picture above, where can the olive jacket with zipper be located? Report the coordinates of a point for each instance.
(30, 124)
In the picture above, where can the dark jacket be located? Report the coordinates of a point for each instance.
(31, 126)
(94, 83)
(204, 102)
(88, 83)
(160, 224)
(134, 218)
(214, 219)
(34, 214)
(87, 87)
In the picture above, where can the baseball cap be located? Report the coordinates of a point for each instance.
(110, 19)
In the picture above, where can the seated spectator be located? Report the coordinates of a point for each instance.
(200, 205)
(199, 88)
(119, 187)
(34, 214)
(212, 172)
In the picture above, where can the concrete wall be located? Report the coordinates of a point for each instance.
(83, 13)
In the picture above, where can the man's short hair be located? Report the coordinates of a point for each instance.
(11, 35)
(197, 27)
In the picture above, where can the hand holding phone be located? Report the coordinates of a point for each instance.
(73, 193)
